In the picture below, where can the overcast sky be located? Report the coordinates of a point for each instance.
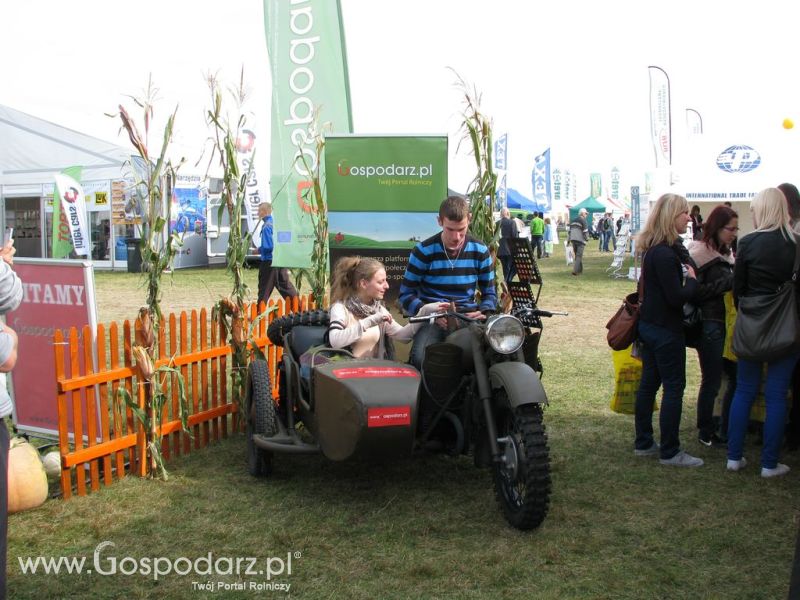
(571, 76)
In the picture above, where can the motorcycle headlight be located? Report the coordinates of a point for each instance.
(505, 333)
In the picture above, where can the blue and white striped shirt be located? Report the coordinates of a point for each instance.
(431, 276)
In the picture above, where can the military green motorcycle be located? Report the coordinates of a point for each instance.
(479, 392)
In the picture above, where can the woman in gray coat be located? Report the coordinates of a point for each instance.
(578, 235)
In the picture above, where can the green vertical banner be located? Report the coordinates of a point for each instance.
(62, 237)
(308, 63)
(596, 185)
(383, 196)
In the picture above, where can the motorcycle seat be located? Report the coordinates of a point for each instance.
(303, 337)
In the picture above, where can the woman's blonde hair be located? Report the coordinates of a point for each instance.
(660, 226)
(349, 270)
(770, 212)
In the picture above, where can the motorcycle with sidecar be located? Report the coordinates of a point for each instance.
(478, 392)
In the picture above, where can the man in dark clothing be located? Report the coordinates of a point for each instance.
(508, 229)
(269, 277)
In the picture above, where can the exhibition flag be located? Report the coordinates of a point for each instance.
(245, 153)
(69, 215)
(660, 116)
(500, 149)
(541, 181)
(308, 63)
(502, 194)
(694, 122)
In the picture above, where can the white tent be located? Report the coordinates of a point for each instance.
(734, 168)
(33, 150)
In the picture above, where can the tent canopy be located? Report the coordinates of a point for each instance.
(514, 199)
(33, 150)
(591, 204)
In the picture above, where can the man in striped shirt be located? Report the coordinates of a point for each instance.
(450, 266)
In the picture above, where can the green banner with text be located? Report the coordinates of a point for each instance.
(383, 196)
(308, 64)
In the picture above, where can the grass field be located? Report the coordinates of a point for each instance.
(618, 527)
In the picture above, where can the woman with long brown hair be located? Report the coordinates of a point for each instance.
(358, 318)
(665, 266)
(714, 261)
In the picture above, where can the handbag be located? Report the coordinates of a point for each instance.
(767, 326)
(692, 324)
(621, 327)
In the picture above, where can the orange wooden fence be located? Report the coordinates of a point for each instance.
(111, 444)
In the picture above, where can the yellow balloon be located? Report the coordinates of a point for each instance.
(788, 123)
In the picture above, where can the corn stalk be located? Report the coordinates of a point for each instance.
(229, 312)
(319, 274)
(477, 129)
(154, 176)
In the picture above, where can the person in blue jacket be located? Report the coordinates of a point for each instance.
(269, 277)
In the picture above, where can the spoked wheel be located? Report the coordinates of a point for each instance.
(522, 479)
(261, 417)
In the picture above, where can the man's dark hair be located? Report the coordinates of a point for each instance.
(454, 208)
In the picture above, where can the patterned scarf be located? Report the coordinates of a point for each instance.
(361, 310)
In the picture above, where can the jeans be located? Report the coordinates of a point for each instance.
(709, 351)
(508, 268)
(748, 380)
(663, 363)
(536, 242)
(577, 263)
(605, 237)
(429, 333)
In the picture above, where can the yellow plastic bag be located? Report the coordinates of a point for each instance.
(730, 321)
(627, 374)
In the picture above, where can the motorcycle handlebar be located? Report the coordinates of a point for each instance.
(433, 316)
(530, 311)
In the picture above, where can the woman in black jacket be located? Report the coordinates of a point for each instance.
(668, 281)
(714, 261)
(764, 263)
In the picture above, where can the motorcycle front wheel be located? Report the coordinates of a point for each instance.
(522, 478)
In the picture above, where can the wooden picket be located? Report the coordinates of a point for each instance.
(89, 376)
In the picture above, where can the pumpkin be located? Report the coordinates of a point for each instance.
(27, 480)
(52, 464)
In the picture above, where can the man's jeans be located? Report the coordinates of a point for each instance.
(663, 363)
(429, 333)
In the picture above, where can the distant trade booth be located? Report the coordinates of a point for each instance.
(34, 151)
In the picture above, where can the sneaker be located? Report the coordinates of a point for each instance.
(651, 451)
(712, 440)
(682, 459)
(736, 465)
(779, 470)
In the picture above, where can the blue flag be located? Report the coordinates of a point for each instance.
(541, 181)
(500, 150)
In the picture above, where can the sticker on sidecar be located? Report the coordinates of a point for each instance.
(389, 416)
(371, 372)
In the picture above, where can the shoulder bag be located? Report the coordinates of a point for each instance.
(622, 327)
(767, 326)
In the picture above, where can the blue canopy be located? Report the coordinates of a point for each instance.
(516, 200)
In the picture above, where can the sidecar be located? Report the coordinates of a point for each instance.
(332, 403)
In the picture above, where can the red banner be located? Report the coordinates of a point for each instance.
(370, 372)
(389, 416)
(59, 294)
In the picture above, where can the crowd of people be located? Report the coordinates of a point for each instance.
(715, 264)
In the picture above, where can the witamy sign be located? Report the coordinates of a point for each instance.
(58, 295)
